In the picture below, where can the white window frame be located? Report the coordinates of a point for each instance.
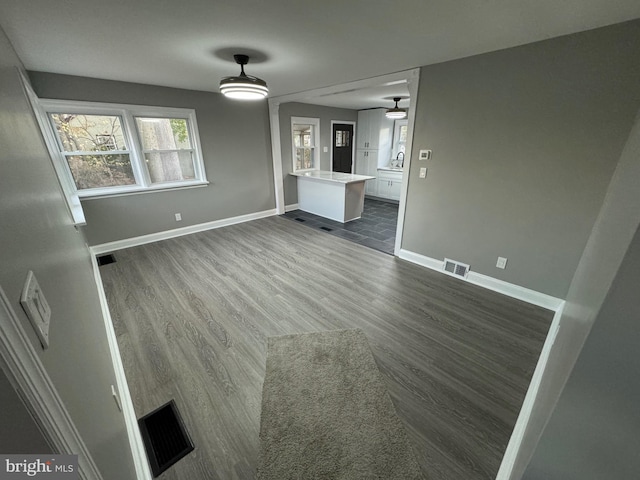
(127, 113)
(315, 123)
(396, 136)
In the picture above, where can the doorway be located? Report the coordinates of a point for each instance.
(342, 146)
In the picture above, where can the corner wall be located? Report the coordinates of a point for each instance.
(525, 142)
(236, 147)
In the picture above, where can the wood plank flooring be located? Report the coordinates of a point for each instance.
(192, 314)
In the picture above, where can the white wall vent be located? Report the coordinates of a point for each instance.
(456, 268)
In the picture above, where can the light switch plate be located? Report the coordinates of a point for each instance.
(36, 308)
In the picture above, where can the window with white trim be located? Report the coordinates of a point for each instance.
(105, 149)
(305, 133)
(400, 137)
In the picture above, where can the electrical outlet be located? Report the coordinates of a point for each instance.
(501, 263)
(423, 172)
(178, 217)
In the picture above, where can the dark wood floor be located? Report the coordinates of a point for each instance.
(192, 314)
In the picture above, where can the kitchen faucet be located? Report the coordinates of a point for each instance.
(398, 159)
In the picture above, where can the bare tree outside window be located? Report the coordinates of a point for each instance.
(95, 149)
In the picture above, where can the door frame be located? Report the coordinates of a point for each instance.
(353, 143)
(410, 77)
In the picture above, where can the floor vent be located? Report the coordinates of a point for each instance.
(456, 268)
(298, 219)
(326, 229)
(165, 437)
(105, 259)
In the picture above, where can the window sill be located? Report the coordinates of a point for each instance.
(77, 214)
(137, 190)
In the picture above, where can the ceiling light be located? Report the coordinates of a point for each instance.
(396, 112)
(243, 87)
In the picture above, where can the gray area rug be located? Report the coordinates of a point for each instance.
(326, 413)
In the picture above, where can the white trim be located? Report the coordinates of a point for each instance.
(353, 143)
(68, 190)
(293, 206)
(140, 190)
(413, 81)
(25, 371)
(177, 232)
(422, 260)
(517, 436)
(140, 462)
(515, 291)
(276, 154)
(511, 290)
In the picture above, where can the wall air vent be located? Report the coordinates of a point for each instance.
(456, 268)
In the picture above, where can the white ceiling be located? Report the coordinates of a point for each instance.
(295, 45)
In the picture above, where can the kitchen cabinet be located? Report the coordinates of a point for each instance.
(389, 184)
(367, 164)
(374, 131)
(374, 135)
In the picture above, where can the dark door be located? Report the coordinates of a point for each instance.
(342, 147)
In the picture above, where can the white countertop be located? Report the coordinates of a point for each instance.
(391, 169)
(337, 177)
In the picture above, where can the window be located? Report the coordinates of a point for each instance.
(108, 149)
(400, 137)
(305, 132)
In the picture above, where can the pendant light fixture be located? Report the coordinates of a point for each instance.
(243, 87)
(396, 112)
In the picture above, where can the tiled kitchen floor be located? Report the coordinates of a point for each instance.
(376, 229)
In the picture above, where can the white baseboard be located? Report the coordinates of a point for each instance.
(177, 232)
(293, 206)
(22, 365)
(140, 462)
(515, 291)
(513, 451)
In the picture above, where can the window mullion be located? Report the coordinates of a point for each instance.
(140, 170)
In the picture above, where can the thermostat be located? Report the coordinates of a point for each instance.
(425, 155)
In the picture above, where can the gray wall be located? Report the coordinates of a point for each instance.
(15, 418)
(236, 147)
(36, 234)
(524, 141)
(593, 433)
(325, 114)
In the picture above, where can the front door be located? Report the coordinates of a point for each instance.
(342, 147)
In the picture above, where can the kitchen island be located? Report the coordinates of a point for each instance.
(334, 195)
